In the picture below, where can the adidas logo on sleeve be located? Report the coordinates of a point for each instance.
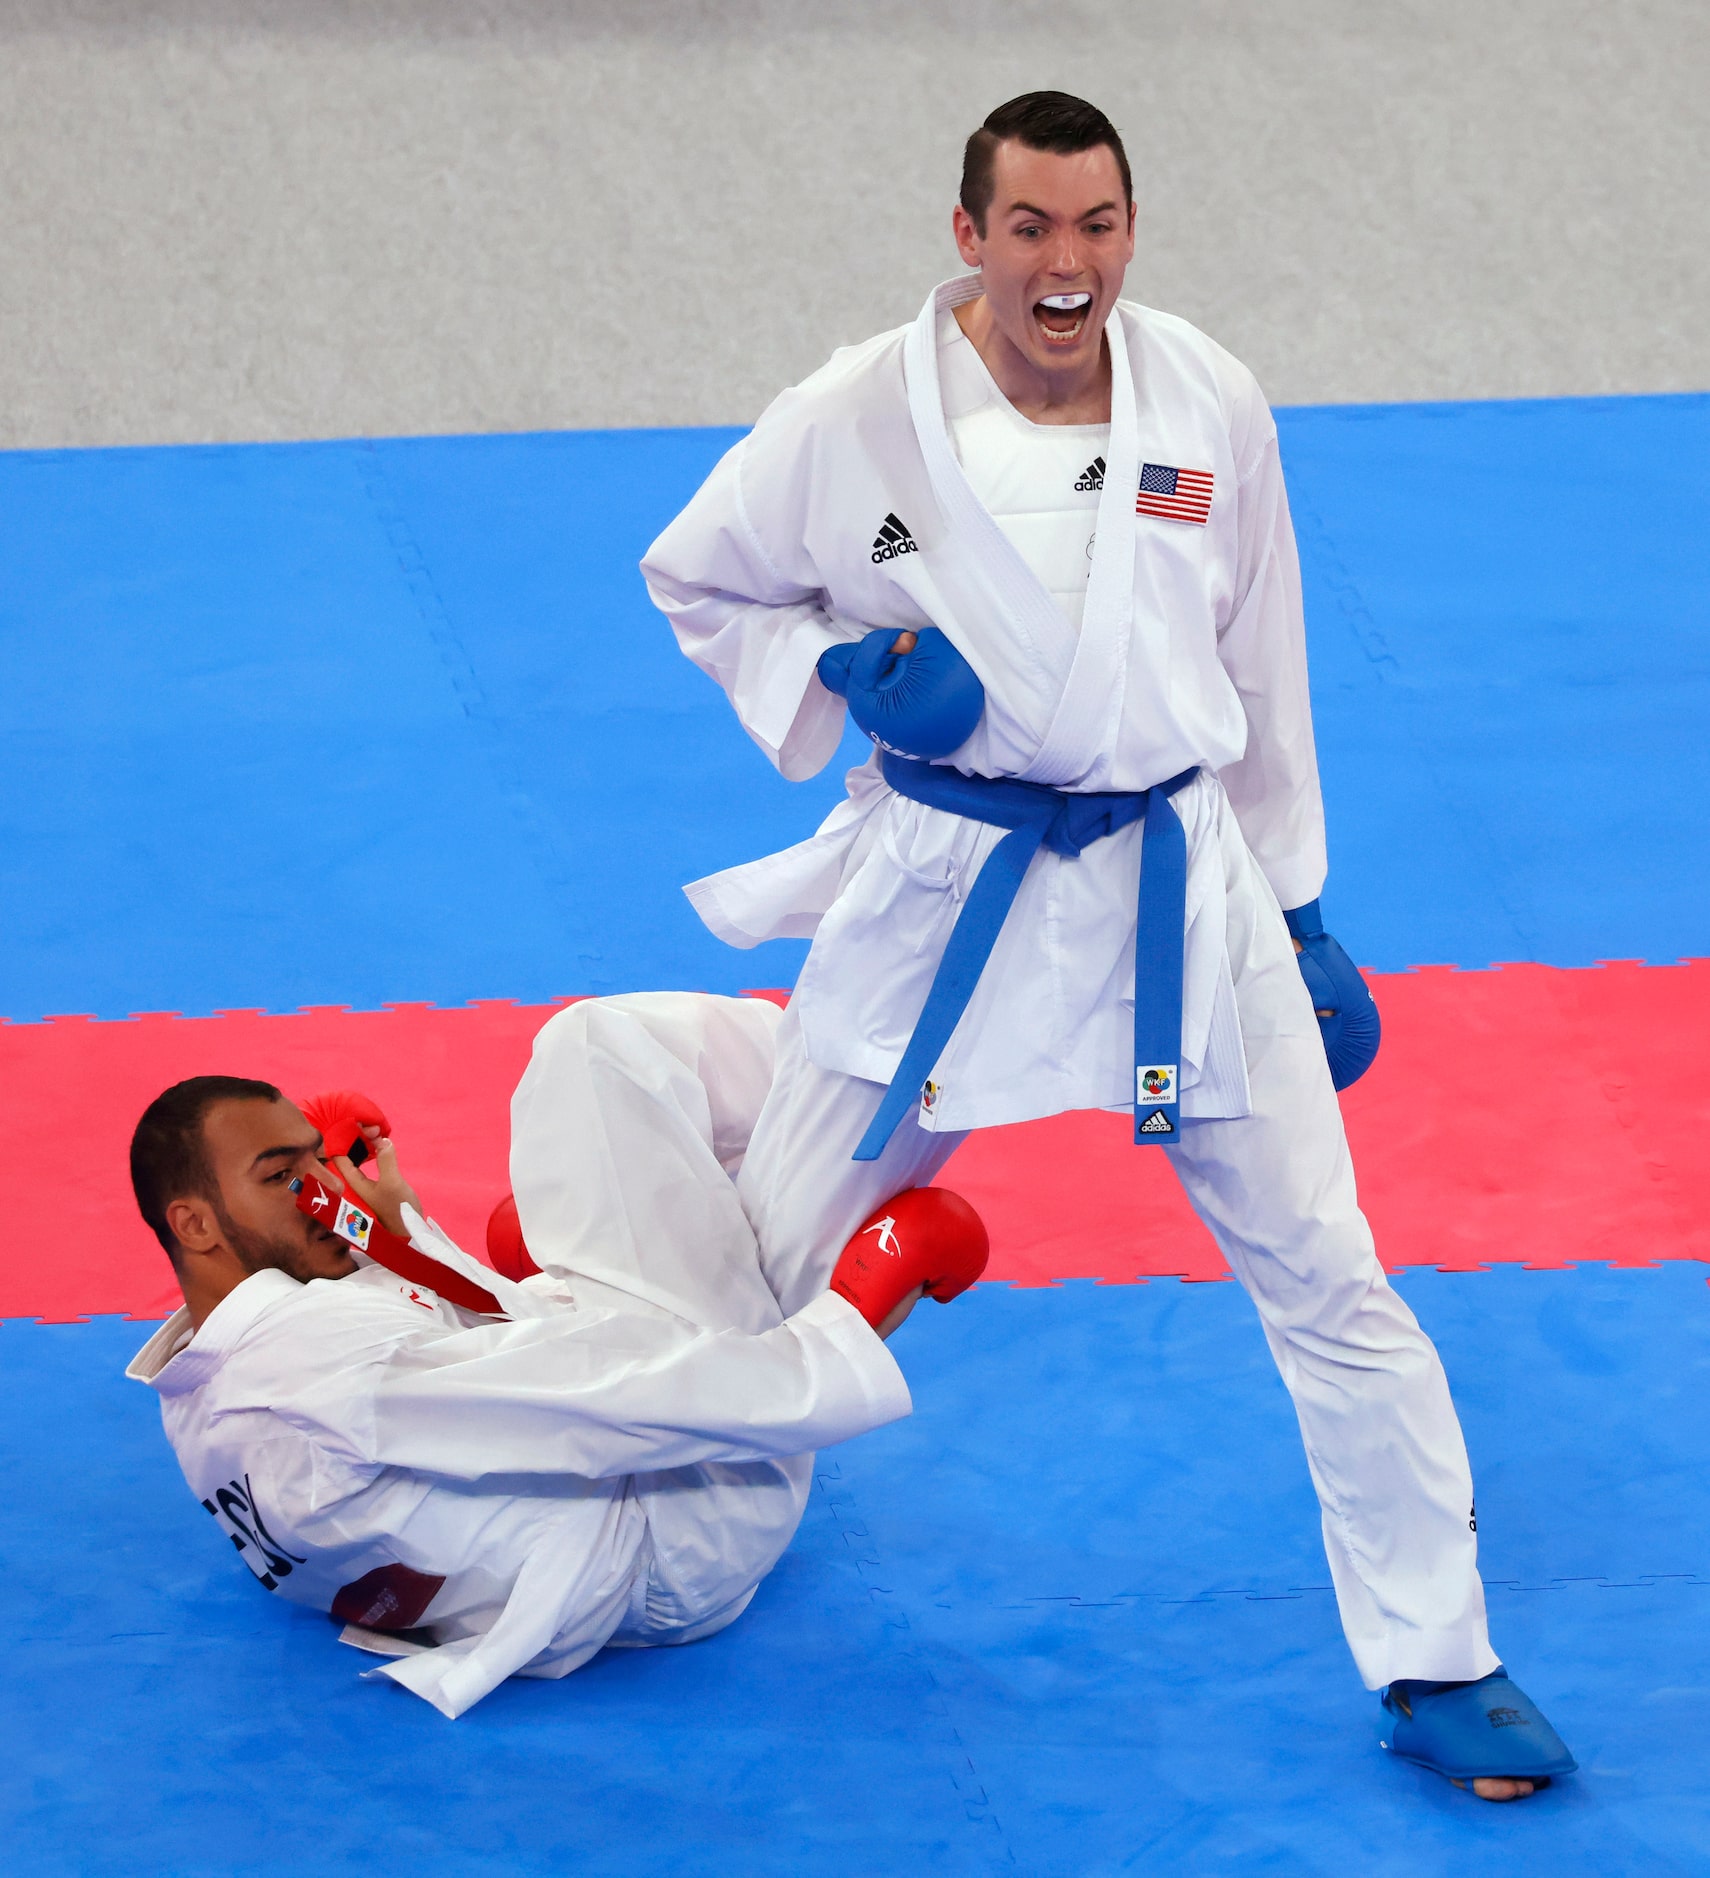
(1092, 477)
(893, 539)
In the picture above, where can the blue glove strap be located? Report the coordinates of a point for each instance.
(1305, 922)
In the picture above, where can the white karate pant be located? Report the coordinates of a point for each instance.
(625, 1131)
(1276, 1190)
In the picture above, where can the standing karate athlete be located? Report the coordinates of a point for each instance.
(1037, 544)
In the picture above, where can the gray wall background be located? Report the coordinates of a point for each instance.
(306, 219)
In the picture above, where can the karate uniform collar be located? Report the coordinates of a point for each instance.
(1085, 671)
(174, 1363)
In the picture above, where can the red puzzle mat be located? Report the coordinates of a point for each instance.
(1527, 1114)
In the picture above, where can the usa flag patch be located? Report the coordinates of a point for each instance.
(1175, 495)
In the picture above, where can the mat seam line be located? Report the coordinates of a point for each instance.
(547, 850)
(1375, 646)
(977, 1806)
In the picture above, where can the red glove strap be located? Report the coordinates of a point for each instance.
(358, 1227)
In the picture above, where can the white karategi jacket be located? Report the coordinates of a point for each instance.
(1191, 651)
(492, 1480)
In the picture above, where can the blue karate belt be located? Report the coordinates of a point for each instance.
(1066, 823)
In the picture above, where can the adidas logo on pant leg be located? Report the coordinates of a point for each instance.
(1092, 477)
(893, 539)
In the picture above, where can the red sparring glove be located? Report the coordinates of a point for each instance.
(925, 1236)
(505, 1249)
(341, 1115)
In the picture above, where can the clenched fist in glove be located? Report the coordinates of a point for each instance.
(925, 1239)
(1346, 1014)
(921, 702)
(341, 1115)
(507, 1251)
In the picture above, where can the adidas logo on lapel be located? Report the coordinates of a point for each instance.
(1092, 477)
(1174, 495)
(1157, 1123)
(893, 539)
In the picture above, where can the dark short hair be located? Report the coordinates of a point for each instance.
(169, 1154)
(1042, 120)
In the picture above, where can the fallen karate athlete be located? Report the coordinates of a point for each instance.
(614, 1451)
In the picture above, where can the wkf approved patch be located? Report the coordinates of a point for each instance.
(929, 1094)
(354, 1226)
(1154, 1084)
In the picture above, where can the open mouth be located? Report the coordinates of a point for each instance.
(1061, 317)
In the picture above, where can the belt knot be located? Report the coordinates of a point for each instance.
(1067, 823)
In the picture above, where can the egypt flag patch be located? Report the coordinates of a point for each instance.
(1174, 495)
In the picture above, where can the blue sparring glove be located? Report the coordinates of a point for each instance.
(922, 703)
(1352, 1031)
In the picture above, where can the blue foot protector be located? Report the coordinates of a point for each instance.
(1473, 1730)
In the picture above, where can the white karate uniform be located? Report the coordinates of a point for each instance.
(1041, 483)
(1189, 650)
(621, 1462)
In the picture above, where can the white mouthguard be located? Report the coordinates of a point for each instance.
(1066, 302)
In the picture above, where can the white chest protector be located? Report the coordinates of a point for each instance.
(1039, 482)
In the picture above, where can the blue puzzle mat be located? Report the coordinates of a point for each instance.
(353, 722)
(1070, 1618)
(385, 721)
(1507, 608)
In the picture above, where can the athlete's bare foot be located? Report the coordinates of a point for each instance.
(1489, 1789)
